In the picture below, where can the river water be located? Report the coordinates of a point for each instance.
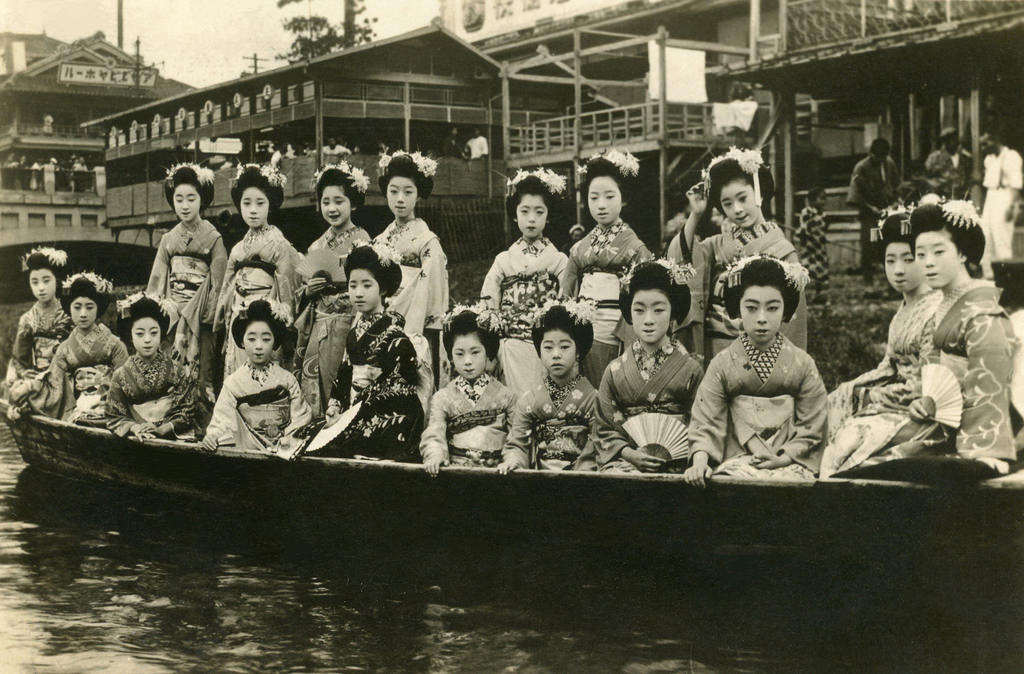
(93, 581)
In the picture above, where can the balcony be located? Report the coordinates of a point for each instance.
(50, 136)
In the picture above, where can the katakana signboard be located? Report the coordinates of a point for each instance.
(118, 76)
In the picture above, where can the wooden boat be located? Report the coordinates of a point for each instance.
(325, 495)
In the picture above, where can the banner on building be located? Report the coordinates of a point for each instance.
(475, 20)
(684, 79)
(118, 76)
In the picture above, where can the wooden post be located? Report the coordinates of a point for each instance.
(788, 136)
(318, 121)
(863, 17)
(663, 135)
(490, 146)
(755, 27)
(406, 115)
(979, 161)
(577, 62)
(506, 135)
(783, 28)
(914, 141)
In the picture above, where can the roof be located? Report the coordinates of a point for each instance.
(37, 45)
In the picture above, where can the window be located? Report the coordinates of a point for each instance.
(62, 220)
(37, 219)
(8, 221)
(90, 220)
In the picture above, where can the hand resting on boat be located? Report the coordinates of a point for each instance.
(699, 472)
(922, 409)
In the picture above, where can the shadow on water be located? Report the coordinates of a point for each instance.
(101, 578)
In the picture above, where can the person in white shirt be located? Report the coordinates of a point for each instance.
(1003, 181)
(476, 146)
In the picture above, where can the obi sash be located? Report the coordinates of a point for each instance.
(152, 411)
(769, 418)
(264, 416)
(480, 444)
(253, 282)
(43, 348)
(561, 441)
(90, 386)
(603, 287)
(523, 293)
(186, 276)
(362, 372)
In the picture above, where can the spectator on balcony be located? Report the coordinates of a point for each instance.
(35, 182)
(476, 146)
(1003, 181)
(276, 156)
(47, 124)
(452, 146)
(949, 167)
(873, 185)
(333, 152)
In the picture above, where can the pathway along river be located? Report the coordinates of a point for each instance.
(91, 580)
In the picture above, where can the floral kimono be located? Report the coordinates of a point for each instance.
(260, 409)
(867, 417)
(691, 330)
(722, 250)
(38, 335)
(468, 422)
(189, 270)
(390, 417)
(157, 392)
(760, 404)
(596, 264)
(519, 283)
(261, 266)
(323, 326)
(76, 384)
(552, 427)
(637, 383)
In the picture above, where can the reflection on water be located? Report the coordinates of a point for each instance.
(95, 579)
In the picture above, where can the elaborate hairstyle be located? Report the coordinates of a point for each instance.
(274, 314)
(575, 318)
(415, 167)
(542, 182)
(663, 275)
(959, 218)
(44, 257)
(893, 227)
(737, 164)
(140, 305)
(762, 270)
(478, 320)
(266, 179)
(190, 174)
(381, 262)
(622, 167)
(349, 178)
(90, 285)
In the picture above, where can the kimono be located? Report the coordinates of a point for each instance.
(261, 266)
(552, 427)
(721, 251)
(189, 270)
(638, 383)
(754, 404)
(158, 392)
(390, 417)
(521, 280)
(76, 384)
(260, 409)
(468, 422)
(596, 264)
(690, 331)
(38, 335)
(323, 326)
(810, 236)
(868, 416)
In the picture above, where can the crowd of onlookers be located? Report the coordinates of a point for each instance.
(71, 173)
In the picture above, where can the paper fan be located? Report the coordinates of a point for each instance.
(663, 435)
(329, 433)
(940, 384)
(321, 259)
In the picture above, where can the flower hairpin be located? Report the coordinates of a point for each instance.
(680, 273)
(386, 254)
(486, 318)
(101, 284)
(628, 165)
(426, 166)
(961, 213)
(278, 310)
(203, 174)
(58, 258)
(581, 309)
(796, 274)
(554, 183)
(876, 232)
(750, 162)
(273, 176)
(167, 307)
(358, 177)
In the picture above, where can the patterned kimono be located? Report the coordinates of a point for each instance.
(158, 392)
(638, 383)
(810, 236)
(867, 417)
(323, 326)
(189, 270)
(38, 335)
(753, 403)
(724, 249)
(261, 265)
(596, 264)
(423, 296)
(552, 427)
(390, 417)
(519, 282)
(691, 330)
(260, 409)
(468, 422)
(76, 384)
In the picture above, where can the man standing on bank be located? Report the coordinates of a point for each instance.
(872, 188)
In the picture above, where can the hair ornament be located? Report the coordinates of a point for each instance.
(486, 318)
(627, 164)
(796, 274)
(273, 176)
(554, 182)
(680, 273)
(426, 166)
(750, 162)
(899, 209)
(166, 306)
(101, 284)
(961, 213)
(582, 309)
(203, 174)
(277, 309)
(358, 177)
(58, 258)
(386, 254)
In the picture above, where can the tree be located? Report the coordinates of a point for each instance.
(315, 36)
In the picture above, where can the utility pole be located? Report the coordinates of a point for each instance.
(349, 24)
(255, 58)
(120, 24)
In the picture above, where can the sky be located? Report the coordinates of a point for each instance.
(199, 42)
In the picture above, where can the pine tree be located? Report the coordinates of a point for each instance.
(315, 36)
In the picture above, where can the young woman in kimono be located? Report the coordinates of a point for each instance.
(761, 411)
(598, 261)
(260, 406)
(40, 330)
(526, 276)
(325, 313)
(552, 424)
(189, 270)
(380, 372)
(869, 416)
(262, 264)
(75, 386)
(736, 182)
(422, 299)
(469, 417)
(656, 375)
(151, 395)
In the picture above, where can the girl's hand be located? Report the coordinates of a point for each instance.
(433, 466)
(13, 412)
(315, 285)
(210, 443)
(780, 461)
(699, 472)
(643, 461)
(505, 468)
(698, 202)
(922, 409)
(144, 431)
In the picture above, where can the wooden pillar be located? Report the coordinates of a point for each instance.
(577, 66)
(318, 121)
(914, 142)
(506, 135)
(783, 28)
(406, 115)
(788, 137)
(979, 161)
(663, 140)
(755, 27)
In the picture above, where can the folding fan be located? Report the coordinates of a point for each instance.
(321, 259)
(940, 384)
(663, 435)
(328, 433)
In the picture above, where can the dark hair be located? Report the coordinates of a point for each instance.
(83, 287)
(815, 193)
(257, 311)
(600, 167)
(338, 178)
(465, 324)
(186, 175)
(253, 177)
(388, 276)
(653, 276)
(895, 230)
(970, 241)
(766, 272)
(36, 261)
(144, 307)
(728, 170)
(403, 166)
(559, 318)
(529, 185)
(879, 146)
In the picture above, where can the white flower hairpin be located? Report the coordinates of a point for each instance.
(581, 309)
(901, 210)
(205, 175)
(273, 176)
(278, 310)
(58, 258)
(426, 166)
(796, 274)
(750, 162)
(628, 165)
(166, 306)
(961, 213)
(386, 254)
(554, 183)
(358, 177)
(680, 273)
(101, 284)
(486, 318)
